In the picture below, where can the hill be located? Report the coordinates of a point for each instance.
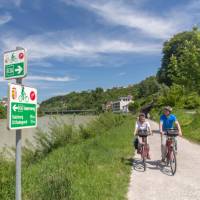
(93, 99)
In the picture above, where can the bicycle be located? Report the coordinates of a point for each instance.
(23, 96)
(170, 146)
(144, 147)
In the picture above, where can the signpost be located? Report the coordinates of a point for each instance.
(15, 64)
(22, 107)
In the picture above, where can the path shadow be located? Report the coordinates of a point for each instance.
(156, 131)
(138, 165)
(152, 165)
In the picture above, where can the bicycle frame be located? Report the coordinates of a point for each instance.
(170, 146)
(144, 151)
(170, 154)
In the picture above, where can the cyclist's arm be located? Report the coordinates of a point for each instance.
(136, 129)
(161, 127)
(149, 127)
(179, 128)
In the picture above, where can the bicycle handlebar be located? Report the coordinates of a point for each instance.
(171, 132)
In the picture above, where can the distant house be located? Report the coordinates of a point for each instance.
(122, 104)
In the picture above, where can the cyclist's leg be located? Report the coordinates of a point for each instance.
(163, 146)
(175, 144)
(148, 149)
(139, 144)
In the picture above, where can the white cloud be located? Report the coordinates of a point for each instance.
(10, 3)
(129, 14)
(121, 74)
(50, 78)
(5, 19)
(59, 93)
(54, 45)
(41, 63)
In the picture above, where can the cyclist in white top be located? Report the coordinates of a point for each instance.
(142, 124)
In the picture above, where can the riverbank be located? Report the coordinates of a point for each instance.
(44, 123)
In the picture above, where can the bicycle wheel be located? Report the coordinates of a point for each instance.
(173, 163)
(143, 155)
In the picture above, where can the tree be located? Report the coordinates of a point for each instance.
(181, 60)
(133, 106)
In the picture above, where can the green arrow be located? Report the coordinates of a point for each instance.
(19, 69)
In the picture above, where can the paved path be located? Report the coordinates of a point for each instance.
(157, 183)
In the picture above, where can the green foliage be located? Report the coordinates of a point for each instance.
(190, 124)
(134, 107)
(91, 168)
(93, 99)
(181, 61)
(192, 101)
(172, 96)
(148, 87)
(2, 112)
(7, 179)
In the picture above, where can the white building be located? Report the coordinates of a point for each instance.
(122, 104)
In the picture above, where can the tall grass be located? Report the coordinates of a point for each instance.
(87, 163)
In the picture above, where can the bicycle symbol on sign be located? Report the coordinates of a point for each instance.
(23, 96)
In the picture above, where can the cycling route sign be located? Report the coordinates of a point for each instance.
(22, 108)
(15, 64)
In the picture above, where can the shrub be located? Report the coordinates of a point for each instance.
(192, 101)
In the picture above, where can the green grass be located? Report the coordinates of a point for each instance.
(190, 125)
(94, 168)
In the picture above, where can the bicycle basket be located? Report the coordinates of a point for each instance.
(143, 133)
(172, 132)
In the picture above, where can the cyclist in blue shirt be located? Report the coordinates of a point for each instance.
(167, 121)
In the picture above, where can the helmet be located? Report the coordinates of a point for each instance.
(168, 108)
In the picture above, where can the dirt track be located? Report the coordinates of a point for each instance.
(157, 183)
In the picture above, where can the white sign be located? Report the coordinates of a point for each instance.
(15, 64)
(22, 109)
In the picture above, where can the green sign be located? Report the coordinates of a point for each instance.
(23, 115)
(22, 107)
(15, 64)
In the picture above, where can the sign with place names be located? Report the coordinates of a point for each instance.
(22, 107)
(15, 64)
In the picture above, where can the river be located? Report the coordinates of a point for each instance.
(7, 138)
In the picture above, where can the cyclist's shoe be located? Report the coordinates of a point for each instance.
(148, 157)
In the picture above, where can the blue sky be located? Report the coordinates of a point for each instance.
(76, 45)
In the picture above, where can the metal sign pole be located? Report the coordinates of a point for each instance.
(18, 158)
(18, 189)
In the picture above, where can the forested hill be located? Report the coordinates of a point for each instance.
(177, 82)
(93, 99)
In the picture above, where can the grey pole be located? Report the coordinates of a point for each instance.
(18, 158)
(18, 188)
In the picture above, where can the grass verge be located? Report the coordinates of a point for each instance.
(92, 167)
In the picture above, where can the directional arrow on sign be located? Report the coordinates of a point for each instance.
(19, 69)
(15, 108)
